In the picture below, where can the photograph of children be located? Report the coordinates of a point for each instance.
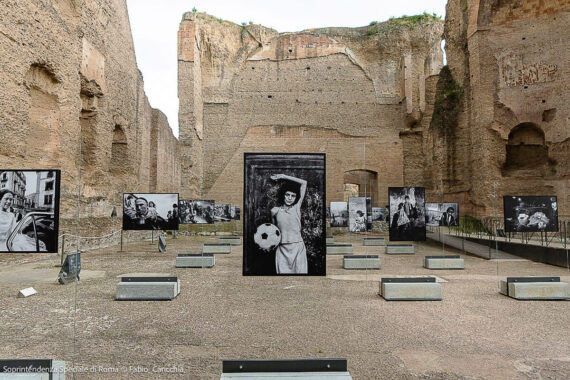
(284, 214)
(357, 214)
(222, 212)
(339, 214)
(442, 214)
(150, 211)
(29, 210)
(531, 213)
(407, 213)
(196, 212)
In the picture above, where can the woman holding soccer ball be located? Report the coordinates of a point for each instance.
(291, 254)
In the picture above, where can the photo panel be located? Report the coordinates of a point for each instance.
(196, 211)
(358, 214)
(442, 214)
(150, 211)
(222, 212)
(531, 213)
(407, 213)
(339, 214)
(284, 214)
(379, 214)
(29, 210)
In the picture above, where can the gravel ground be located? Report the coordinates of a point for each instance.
(474, 333)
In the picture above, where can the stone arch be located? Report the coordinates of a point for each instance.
(119, 150)
(366, 180)
(42, 140)
(526, 147)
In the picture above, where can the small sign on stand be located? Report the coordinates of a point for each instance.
(161, 244)
(70, 270)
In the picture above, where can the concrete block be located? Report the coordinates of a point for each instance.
(378, 241)
(400, 249)
(27, 292)
(361, 262)
(147, 288)
(410, 289)
(217, 248)
(287, 375)
(197, 260)
(330, 240)
(230, 240)
(444, 262)
(339, 249)
(536, 290)
(299, 369)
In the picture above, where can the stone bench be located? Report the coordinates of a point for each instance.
(40, 369)
(535, 288)
(400, 249)
(230, 240)
(298, 369)
(216, 248)
(195, 260)
(330, 240)
(147, 288)
(361, 262)
(339, 249)
(410, 289)
(374, 241)
(444, 262)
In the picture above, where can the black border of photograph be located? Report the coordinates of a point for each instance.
(162, 222)
(533, 212)
(34, 215)
(270, 180)
(415, 227)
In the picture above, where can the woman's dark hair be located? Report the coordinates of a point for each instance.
(359, 212)
(292, 187)
(400, 206)
(153, 204)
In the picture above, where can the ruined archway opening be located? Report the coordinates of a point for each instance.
(526, 147)
(119, 151)
(361, 183)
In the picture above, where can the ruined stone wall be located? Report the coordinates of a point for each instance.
(72, 97)
(165, 156)
(346, 92)
(511, 61)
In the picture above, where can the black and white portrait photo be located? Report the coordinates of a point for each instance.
(29, 210)
(531, 213)
(284, 214)
(196, 212)
(339, 214)
(407, 213)
(442, 214)
(235, 213)
(222, 212)
(358, 218)
(150, 211)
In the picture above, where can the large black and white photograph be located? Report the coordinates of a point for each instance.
(150, 211)
(222, 212)
(407, 213)
(359, 214)
(196, 211)
(442, 214)
(284, 214)
(339, 214)
(531, 213)
(29, 210)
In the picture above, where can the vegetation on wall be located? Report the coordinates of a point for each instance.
(447, 103)
(405, 21)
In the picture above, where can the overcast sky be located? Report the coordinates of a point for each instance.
(154, 24)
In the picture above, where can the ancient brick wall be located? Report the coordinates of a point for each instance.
(511, 60)
(72, 97)
(346, 92)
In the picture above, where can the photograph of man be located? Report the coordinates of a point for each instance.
(150, 212)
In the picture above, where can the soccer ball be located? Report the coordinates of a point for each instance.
(267, 236)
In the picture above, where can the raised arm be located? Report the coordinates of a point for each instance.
(300, 181)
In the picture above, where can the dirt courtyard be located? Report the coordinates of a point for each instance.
(474, 333)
